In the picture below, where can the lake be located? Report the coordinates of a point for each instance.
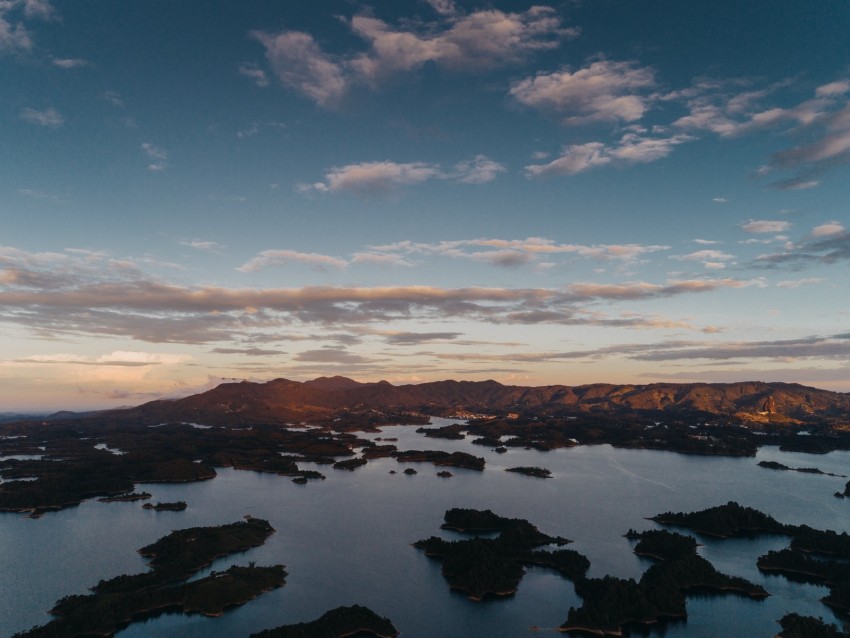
(346, 540)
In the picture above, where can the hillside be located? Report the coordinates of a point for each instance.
(282, 400)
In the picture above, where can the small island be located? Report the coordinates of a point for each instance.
(537, 472)
(176, 506)
(126, 498)
(774, 465)
(349, 464)
(441, 458)
(337, 623)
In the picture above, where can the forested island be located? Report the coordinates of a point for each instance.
(116, 602)
(337, 623)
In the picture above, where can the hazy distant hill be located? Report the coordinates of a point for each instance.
(283, 400)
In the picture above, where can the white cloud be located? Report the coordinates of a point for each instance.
(158, 157)
(271, 258)
(711, 258)
(766, 226)
(830, 228)
(299, 63)
(69, 63)
(631, 149)
(255, 73)
(478, 170)
(796, 283)
(603, 91)
(476, 41)
(380, 259)
(380, 178)
(200, 244)
(48, 117)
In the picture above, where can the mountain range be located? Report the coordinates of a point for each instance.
(286, 401)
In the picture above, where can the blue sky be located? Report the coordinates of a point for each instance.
(575, 192)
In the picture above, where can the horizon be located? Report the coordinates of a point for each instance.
(93, 408)
(536, 193)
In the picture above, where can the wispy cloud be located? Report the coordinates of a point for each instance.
(766, 226)
(90, 294)
(632, 148)
(14, 34)
(272, 258)
(255, 73)
(603, 91)
(157, 156)
(48, 117)
(69, 63)
(382, 178)
(476, 41)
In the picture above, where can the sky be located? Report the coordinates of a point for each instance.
(618, 191)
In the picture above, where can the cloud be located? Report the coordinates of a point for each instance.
(88, 293)
(823, 120)
(49, 117)
(631, 149)
(478, 170)
(823, 249)
(828, 229)
(704, 255)
(477, 41)
(514, 252)
(119, 358)
(200, 244)
(380, 259)
(14, 35)
(766, 226)
(69, 63)
(416, 338)
(255, 73)
(604, 91)
(251, 352)
(157, 156)
(381, 178)
(299, 63)
(331, 355)
(272, 258)
(796, 283)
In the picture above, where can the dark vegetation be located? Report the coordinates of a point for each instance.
(482, 567)
(773, 465)
(337, 623)
(349, 464)
(611, 603)
(734, 520)
(176, 506)
(118, 601)
(537, 472)
(797, 565)
(796, 626)
(452, 432)
(440, 458)
(126, 498)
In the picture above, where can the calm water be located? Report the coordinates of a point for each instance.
(346, 540)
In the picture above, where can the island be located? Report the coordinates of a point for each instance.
(336, 623)
(126, 498)
(116, 602)
(774, 465)
(441, 458)
(611, 603)
(487, 567)
(176, 506)
(349, 464)
(537, 472)
(797, 626)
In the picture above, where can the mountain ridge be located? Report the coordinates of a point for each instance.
(285, 401)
